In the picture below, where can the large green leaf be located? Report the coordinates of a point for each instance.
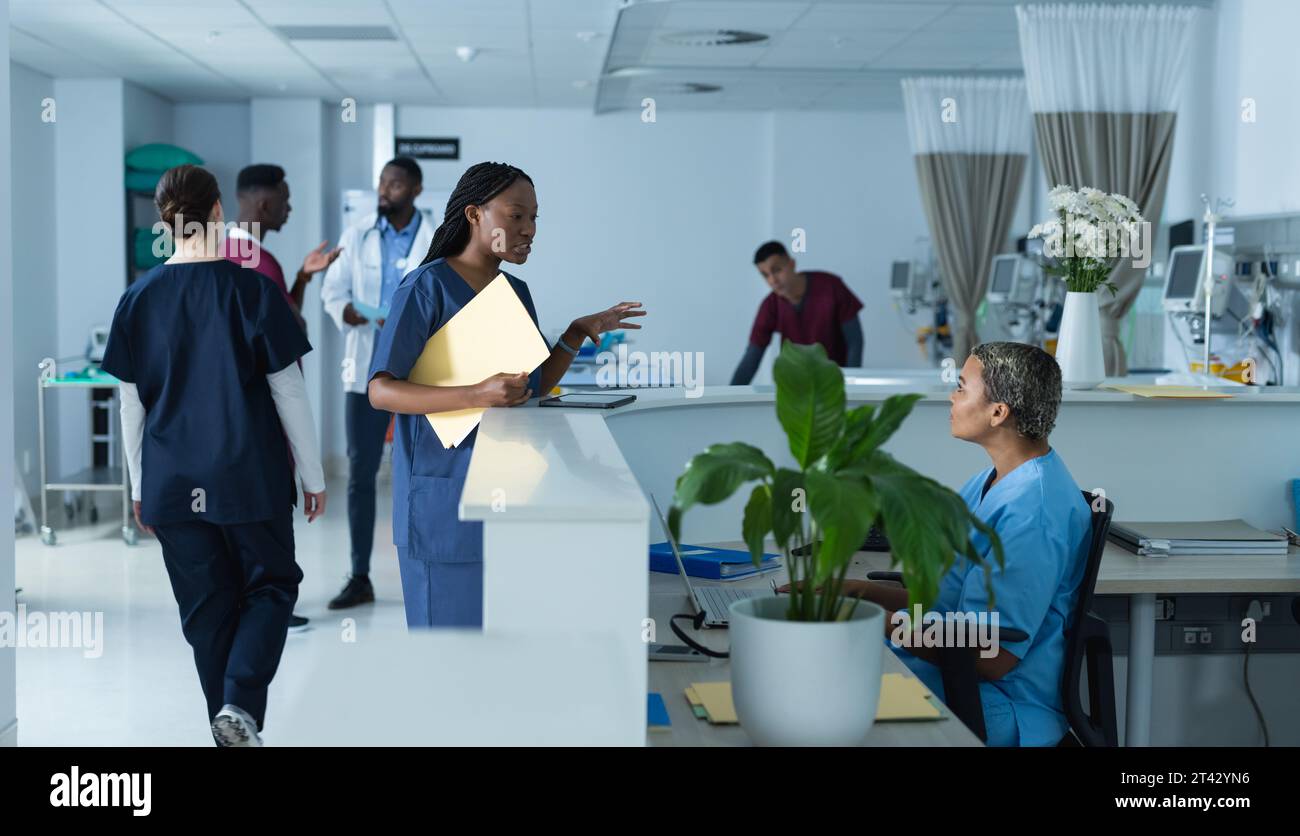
(789, 501)
(809, 400)
(758, 521)
(715, 474)
(887, 420)
(844, 510)
(926, 524)
(856, 423)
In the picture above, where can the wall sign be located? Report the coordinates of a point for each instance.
(428, 148)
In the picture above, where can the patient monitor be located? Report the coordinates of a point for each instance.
(1010, 282)
(900, 280)
(1185, 277)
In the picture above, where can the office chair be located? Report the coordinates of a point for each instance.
(1087, 640)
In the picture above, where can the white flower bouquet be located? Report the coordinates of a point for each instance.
(1090, 230)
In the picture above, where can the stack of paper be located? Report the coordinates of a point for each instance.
(493, 333)
(1166, 539)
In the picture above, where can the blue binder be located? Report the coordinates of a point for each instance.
(709, 563)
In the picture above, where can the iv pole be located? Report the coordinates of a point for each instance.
(1211, 219)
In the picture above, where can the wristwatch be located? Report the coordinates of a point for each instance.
(562, 344)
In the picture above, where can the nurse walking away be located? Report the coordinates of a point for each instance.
(207, 354)
(491, 217)
(377, 252)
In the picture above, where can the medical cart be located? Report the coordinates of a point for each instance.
(112, 474)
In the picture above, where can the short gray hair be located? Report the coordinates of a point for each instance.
(1026, 379)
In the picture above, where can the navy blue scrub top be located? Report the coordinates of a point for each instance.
(428, 478)
(198, 340)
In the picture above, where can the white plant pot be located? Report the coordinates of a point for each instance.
(799, 683)
(1078, 344)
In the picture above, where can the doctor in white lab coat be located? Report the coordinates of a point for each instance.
(378, 252)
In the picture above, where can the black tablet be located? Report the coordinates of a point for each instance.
(588, 400)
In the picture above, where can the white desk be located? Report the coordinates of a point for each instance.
(561, 492)
(1142, 578)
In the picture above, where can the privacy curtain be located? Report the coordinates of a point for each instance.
(1103, 84)
(970, 138)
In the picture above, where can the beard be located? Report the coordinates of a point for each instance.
(385, 209)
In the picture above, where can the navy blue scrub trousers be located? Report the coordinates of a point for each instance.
(366, 429)
(235, 586)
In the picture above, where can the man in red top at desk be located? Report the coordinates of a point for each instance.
(805, 308)
(264, 200)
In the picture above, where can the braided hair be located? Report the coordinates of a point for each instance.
(478, 185)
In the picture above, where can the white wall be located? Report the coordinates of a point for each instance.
(667, 213)
(33, 251)
(8, 655)
(848, 179)
(218, 132)
(1257, 161)
(91, 250)
(146, 117)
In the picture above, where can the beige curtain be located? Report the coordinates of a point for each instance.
(1115, 152)
(969, 199)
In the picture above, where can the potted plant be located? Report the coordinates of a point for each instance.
(805, 668)
(1089, 230)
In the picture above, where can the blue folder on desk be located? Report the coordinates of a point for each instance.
(709, 563)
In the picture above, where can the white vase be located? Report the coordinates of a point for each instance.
(1078, 343)
(799, 683)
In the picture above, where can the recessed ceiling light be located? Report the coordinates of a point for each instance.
(582, 83)
(713, 37)
(587, 37)
(466, 53)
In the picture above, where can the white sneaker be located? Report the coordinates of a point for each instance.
(233, 727)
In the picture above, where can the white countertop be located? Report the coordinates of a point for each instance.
(560, 464)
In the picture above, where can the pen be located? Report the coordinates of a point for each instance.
(772, 583)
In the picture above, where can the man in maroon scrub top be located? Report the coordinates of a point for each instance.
(264, 200)
(803, 307)
(264, 207)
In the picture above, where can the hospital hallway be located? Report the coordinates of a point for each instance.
(142, 690)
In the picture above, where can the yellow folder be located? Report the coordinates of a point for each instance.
(902, 697)
(493, 333)
(1145, 391)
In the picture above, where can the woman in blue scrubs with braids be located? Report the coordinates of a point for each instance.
(491, 217)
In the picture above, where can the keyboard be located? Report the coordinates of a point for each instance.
(876, 542)
(718, 600)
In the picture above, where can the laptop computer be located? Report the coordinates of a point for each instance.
(714, 602)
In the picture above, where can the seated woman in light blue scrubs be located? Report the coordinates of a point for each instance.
(1006, 401)
(491, 217)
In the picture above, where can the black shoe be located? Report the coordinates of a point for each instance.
(297, 622)
(358, 591)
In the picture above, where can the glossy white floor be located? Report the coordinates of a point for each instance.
(143, 689)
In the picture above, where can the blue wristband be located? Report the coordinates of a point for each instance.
(562, 344)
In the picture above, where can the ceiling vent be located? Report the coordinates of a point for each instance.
(686, 87)
(715, 37)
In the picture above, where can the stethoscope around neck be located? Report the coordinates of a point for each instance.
(401, 263)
